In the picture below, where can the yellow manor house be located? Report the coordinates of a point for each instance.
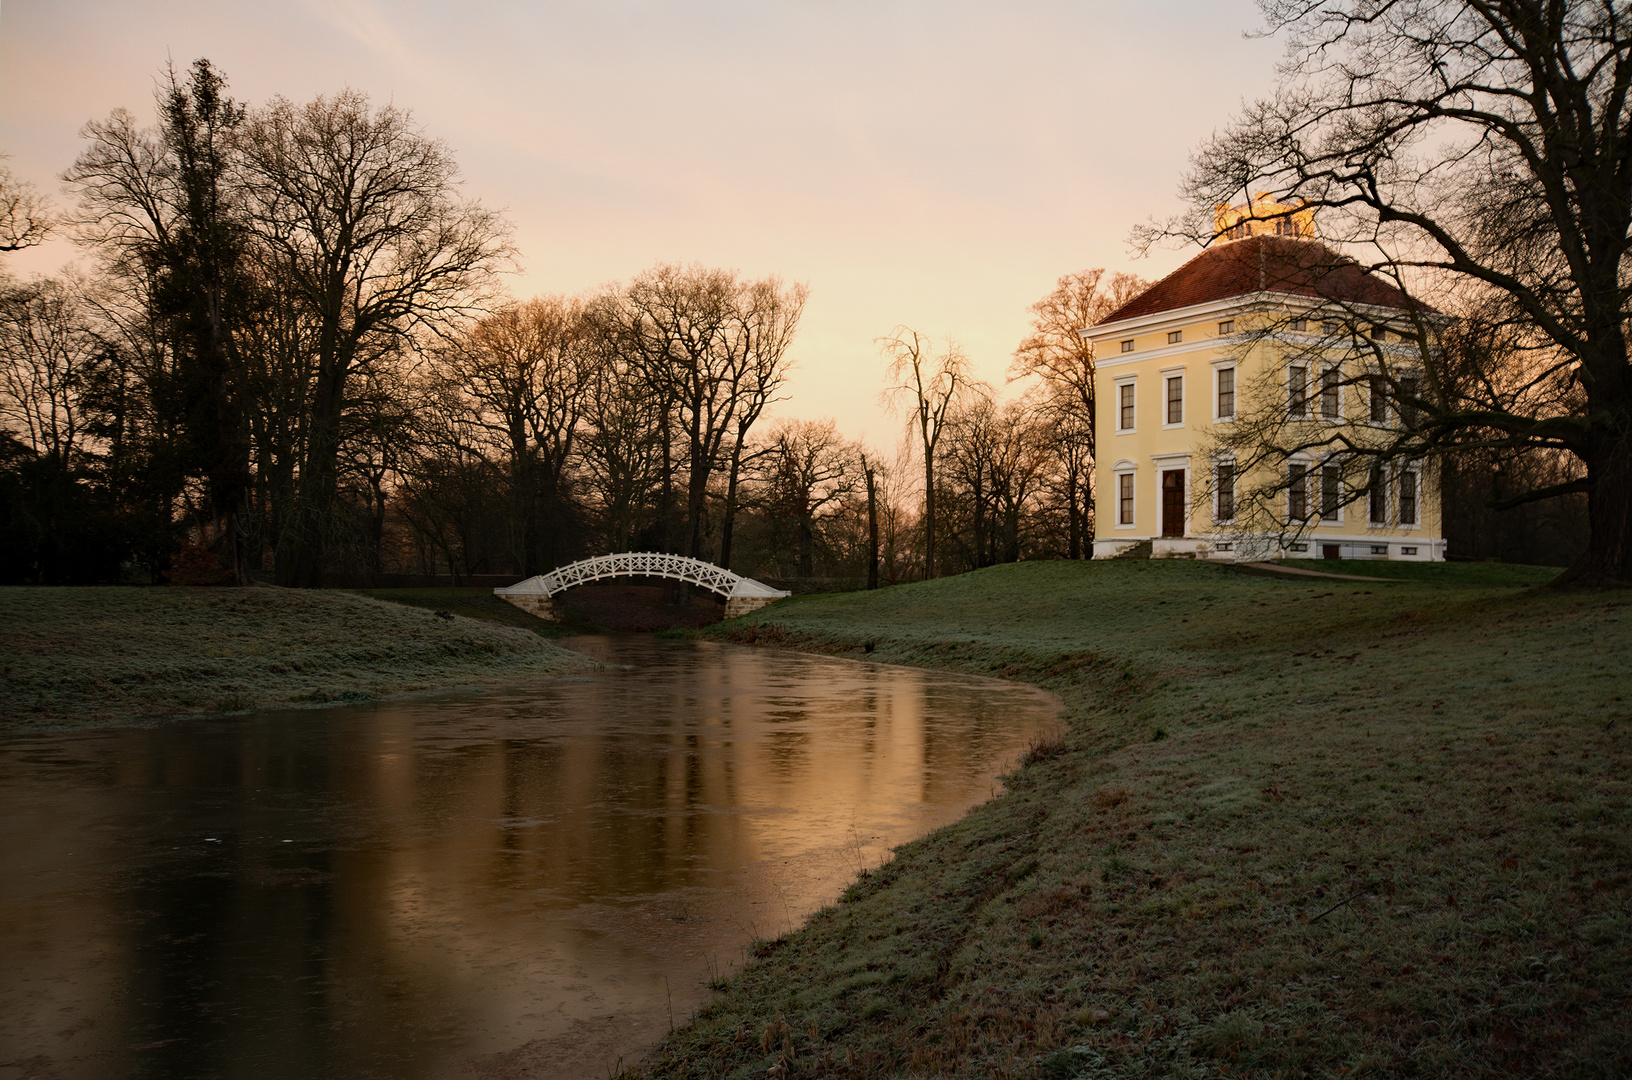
(1266, 331)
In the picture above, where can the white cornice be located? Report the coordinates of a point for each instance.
(1160, 320)
(1140, 356)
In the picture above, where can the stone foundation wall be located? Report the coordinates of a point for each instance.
(742, 605)
(535, 604)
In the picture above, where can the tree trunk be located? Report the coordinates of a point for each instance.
(872, 529)
(807, 544)
(929, 512)
(301, 554)
(1609, 511)
(728, 525)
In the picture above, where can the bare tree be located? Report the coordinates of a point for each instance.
(359, 212)
(1485, 144)
(163, 209)
(927, 383)
(1056, 352)
(969, 467)
(1071, 457)
(807, 468)
(49, 353)
(760, 333)
(525, 373)
(1019, 466)
(869, 469)
(26, 218)
(713, 348)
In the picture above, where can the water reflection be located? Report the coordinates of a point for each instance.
(520, 883)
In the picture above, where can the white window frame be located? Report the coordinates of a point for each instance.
(1388, 503)
(1311, 471)
(1375, 380)
(1415, 472)
(1132, 383)
(1304, 414)
(1231, 366)
(1334, 369)
(1337, 514)
(1219, 463)
(1131, 471)
(1168, 374)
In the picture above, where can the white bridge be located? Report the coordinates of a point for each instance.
(742, 594)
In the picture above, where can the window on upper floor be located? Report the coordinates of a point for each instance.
(1175, 399)
(1127, 346)
(1331, 393)
(1226, 393)
(1300, 325)
(1227, 326)
(1124, 407)
(1377, 411)
(1297, 391)
(1175, 336)
(1410, 387)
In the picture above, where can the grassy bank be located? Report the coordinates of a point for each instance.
(77, 656)
(1297, 827)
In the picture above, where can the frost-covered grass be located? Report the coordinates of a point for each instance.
(1297, 827)
(76, 656)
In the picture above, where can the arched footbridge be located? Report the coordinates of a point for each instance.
(742, 594)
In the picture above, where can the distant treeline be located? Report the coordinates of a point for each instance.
(293, 357)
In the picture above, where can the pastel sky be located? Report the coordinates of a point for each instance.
(936, 163)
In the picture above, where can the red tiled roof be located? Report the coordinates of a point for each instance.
(1265, 263)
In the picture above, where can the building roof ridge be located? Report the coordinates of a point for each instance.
(1308, 267)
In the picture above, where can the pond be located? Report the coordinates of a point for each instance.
(534, 881)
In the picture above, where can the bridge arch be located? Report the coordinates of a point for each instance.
(742, 594)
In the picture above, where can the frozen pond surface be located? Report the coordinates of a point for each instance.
(526, 882)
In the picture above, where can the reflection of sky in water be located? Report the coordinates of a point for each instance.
(533, 878)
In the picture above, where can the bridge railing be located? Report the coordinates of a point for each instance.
(659, 564)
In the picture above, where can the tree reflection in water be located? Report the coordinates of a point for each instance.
(524, 882)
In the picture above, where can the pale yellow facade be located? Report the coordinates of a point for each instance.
(1165, 382)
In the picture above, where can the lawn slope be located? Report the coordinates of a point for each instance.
(1297, 827)
(76, 656)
